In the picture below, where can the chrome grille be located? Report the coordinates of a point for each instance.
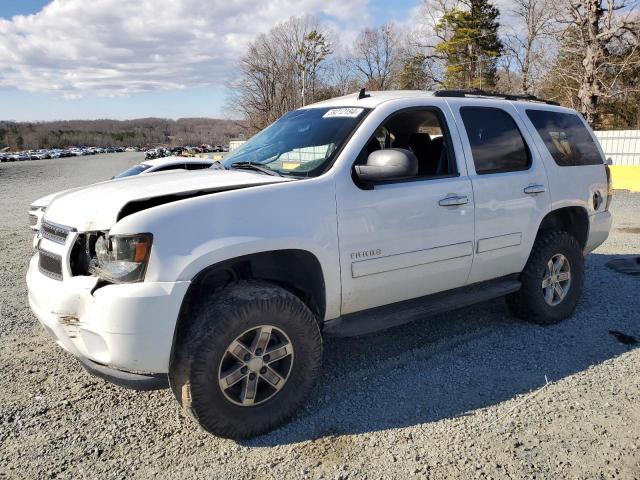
(54, 232)
(50, 264)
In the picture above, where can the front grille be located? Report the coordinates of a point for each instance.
(54, 232)
(50, 264)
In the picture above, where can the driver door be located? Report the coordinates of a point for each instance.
(409, 238)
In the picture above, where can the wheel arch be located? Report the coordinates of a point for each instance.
(298, 271)
(572, 219)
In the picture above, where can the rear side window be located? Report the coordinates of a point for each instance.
(173, 166)
(566, 138)
(496, 143)
(197, 166)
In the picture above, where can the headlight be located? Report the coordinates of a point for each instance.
(35, 216)
(122, 258)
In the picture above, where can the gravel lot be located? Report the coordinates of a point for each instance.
(459, 395)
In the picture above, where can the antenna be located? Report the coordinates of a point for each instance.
(362, 94)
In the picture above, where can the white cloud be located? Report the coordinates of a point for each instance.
(119, 47)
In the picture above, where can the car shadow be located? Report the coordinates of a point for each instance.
(452, 364)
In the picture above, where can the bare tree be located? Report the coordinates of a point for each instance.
(105, 133)
(275, 68)
(600, 28)
(536, 21)
(596, 59)
(341, 76)
(375, 56)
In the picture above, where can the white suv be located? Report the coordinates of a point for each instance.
(344, 217)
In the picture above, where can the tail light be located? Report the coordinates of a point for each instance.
(609, 187)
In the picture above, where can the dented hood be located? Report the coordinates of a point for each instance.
(100, 206)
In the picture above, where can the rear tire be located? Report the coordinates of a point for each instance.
(552, 280)
(232, 339)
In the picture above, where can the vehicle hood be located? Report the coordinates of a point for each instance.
(43, 202)
(100, 206)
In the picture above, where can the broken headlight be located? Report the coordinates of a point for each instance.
(122, 258)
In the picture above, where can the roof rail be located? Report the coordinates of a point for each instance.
(474, 92)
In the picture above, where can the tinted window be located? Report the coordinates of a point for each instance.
(197, 166)
(173, 166)
(496, 143)
(135, 170)
(566, 138)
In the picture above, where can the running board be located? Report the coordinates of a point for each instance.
(392, 315)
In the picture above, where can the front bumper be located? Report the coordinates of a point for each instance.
(117, 331)
(134, 381)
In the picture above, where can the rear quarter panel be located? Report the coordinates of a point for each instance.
(568, 186)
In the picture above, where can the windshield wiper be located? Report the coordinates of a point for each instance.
(255, 166)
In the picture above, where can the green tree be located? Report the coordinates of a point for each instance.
(473, 47)
(413, 75)
(312, 52)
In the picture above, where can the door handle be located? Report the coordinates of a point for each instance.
(533, 189)
(453, 200)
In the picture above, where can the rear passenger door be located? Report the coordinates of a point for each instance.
(510, 186)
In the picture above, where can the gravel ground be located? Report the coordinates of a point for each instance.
(470, 394)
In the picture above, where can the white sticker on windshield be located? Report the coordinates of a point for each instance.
(350, 112)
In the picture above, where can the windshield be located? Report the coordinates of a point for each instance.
(135, 170)
(301, 143)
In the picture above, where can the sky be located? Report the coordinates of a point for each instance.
(88, 59)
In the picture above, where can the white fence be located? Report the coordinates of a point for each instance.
(622, 146)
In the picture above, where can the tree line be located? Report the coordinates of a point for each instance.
(146, 131)
(581, 53)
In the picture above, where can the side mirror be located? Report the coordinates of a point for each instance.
(609, 161)
(389, 164)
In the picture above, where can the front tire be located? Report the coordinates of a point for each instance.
(552, 280)
(248, 361)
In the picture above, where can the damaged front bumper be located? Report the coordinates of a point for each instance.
(122, 333)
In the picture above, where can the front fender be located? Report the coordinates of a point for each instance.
(192, 234)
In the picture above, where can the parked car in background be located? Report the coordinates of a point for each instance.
(166, 163)
(38, 207)
(160, 152)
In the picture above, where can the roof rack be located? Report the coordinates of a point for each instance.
(474, 92)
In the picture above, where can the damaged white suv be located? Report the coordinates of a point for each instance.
(344, 217)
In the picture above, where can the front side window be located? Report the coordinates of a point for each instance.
(301, 143)
(421, 131)
(496, 143)
(566, 138)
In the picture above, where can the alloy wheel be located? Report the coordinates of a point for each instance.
(256, 366)
(556, 280)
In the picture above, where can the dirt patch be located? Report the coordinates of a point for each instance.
(634, 230)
